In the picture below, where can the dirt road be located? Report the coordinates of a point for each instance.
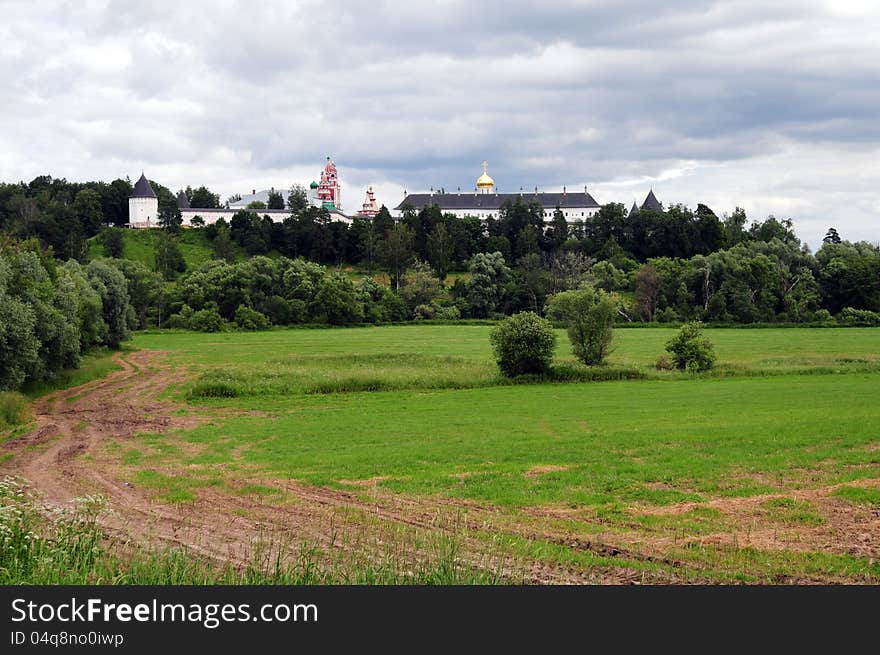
(65, 458)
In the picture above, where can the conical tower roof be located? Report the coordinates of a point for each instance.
(652, 203)
(142, 188)
(633, 210)
(182, 201)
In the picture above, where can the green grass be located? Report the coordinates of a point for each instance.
(859, 495)
(13, 410)
(421, 410)
(421, 407)
(792, 512)
(616, 440)
(94, 365)
(140, 246)
(286, 362)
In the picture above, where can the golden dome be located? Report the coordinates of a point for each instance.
(484, 180)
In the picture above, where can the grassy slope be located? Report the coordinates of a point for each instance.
(140, 246)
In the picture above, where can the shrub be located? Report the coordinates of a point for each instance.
(182, 319)
(851, 316)
(13, 409)
(207, 320)
(250, 319)
(823, 316)
(668, 315)
(589, 318)
(690, 350)
(424, 312)
(523, 344)
(450, 313)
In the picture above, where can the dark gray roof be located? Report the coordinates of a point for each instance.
(182, 201)
(652, 203)
(489, 201)
(142, 189)
(633, 210)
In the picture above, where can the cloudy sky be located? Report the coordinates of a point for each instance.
(772, 106)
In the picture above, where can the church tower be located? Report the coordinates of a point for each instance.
(329, 190)
(143, 204)
(485, 184)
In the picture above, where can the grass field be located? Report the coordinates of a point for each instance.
(418, 411)
(764, 470)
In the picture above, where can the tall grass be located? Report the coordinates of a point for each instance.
(13, 409)
(326, 374)
(69, 547)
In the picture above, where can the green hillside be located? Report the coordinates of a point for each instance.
(140, 246)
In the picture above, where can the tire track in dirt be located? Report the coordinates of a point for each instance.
(64, 458)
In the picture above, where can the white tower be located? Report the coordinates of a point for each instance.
(143, 205)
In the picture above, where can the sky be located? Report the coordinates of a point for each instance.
(770, 106)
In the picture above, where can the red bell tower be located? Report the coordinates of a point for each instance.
(329, 190)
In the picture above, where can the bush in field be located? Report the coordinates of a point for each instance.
(690, 350)
(207, 320)
(250, 319)
(523, 344)
(589, 318)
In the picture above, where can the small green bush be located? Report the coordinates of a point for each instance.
(523, 344)
(250, 319)
(823, 316)
(13, 409)
(207, 320)
(690, 350)
(450, 313)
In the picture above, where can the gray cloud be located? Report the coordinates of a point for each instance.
(771, 106)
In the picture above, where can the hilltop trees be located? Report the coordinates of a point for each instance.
(276, 200)
(297, 199)
(202, 198)
(396, 252)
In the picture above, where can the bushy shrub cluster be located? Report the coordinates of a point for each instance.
(690, 350)
(261, 292)
(51, 314)
(523, 344)
(850, 316)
